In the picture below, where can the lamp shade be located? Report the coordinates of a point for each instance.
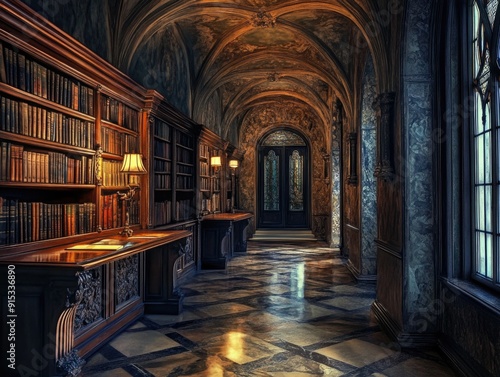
(132, 163)
(215, 161)
(233, 164)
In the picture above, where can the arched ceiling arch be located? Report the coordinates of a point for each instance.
(249, 52)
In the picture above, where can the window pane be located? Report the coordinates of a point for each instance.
(489, 256)
(480, 159)
(480, 253)
(487, 157)
(479, 115)
(475, 21)
(487, 208)
(480, 208)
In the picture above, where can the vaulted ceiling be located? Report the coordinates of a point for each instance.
(218, 60)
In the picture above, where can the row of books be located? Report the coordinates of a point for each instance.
(184, 210)
(205, 184)
(185, 169)
(216, 184)
(162, 213)
(113, 211)
(185, 140)
(162, 181)
(211, 204)
(22, 222)
(22, 72)
(204, 168)
(204, 151)
(162, 166)
(161, 129)
(185, 156)
(115, 142)
(20, 165)
(29, 120)
(111, 175)
(161, 149)
(184, 182)
(116, 112)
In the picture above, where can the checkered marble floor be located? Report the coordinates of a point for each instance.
(277, 310)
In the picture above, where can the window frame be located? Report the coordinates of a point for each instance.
(470, 265)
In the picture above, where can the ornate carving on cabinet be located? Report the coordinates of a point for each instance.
(98, 165)
(126, 279)
(352, 178)
(188, 249)
(67, 358)
(384, 106)
(91, 305)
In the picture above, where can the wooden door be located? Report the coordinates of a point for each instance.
(283, 187)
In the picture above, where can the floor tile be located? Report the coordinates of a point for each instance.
(224, 309)
(296, 366)
(240, 347)
(349, 303)
(299, 334)
(138, 343)
(356, 352)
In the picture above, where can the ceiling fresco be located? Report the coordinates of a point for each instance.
(236, 54)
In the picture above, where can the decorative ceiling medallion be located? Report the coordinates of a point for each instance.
(273, 76)
(263, 19)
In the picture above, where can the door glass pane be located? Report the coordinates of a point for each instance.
(271, 182)
(282, 138)
(296, 171)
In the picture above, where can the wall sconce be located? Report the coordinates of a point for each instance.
(133, 166)
(216, 163)
(233, 164)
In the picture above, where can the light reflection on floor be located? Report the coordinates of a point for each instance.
(278, 310)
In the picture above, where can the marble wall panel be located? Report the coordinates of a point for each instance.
(368, 194)
(419, 250)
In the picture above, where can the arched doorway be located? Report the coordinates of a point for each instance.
(283, 193)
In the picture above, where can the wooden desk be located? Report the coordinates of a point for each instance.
(222, 235)
(70, 302)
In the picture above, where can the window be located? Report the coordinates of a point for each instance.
(485, 143)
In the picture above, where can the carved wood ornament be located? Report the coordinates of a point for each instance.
(384, 106)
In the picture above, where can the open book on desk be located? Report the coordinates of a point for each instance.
(105, 244)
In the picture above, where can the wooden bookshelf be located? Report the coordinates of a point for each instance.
(173, 186)
(66, 119)
(210, 193)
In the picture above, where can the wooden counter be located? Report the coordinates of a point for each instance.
(68, 302)
(222, 235)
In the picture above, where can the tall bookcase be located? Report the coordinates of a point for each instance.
(67, 117)
(211, 181)
(173, 187)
